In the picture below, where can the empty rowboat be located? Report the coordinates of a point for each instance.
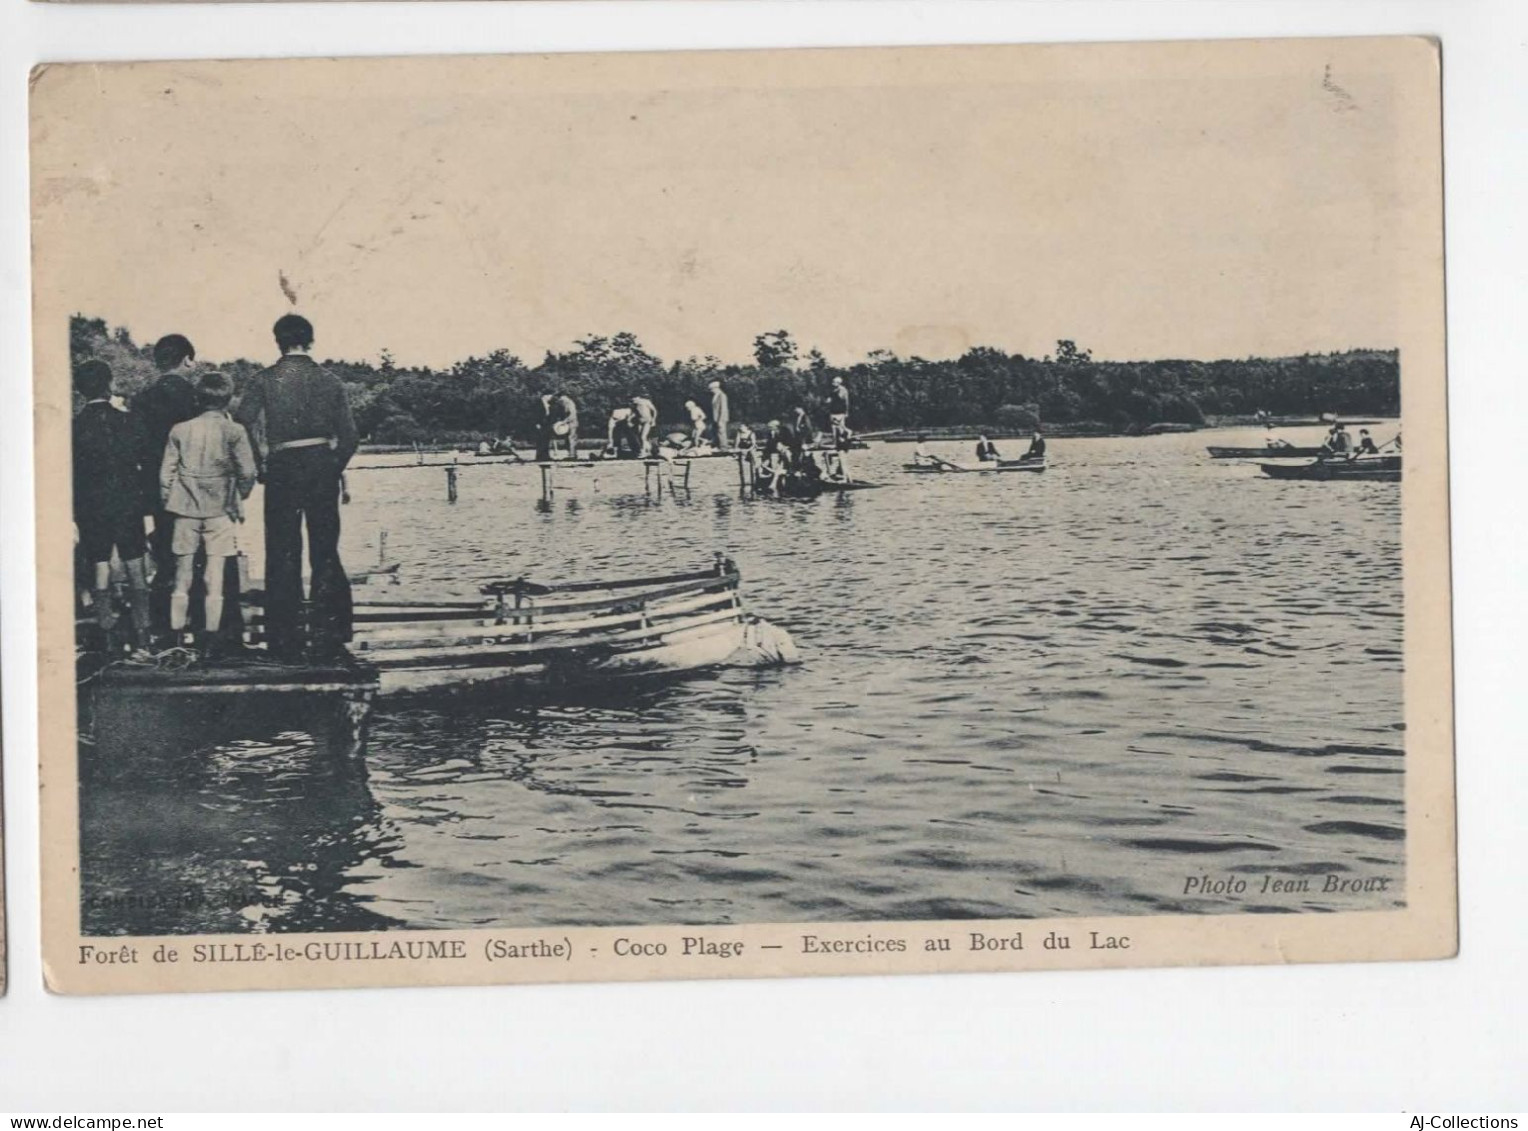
(571, 633)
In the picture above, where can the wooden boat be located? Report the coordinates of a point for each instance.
(1374, 468)
(571, 633)
(937, 466)
(680, 454)
(854, 445)
(1290, 452)
(799, 486)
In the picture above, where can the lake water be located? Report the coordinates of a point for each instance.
(1021, 696)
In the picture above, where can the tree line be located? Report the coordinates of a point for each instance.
(496, 395)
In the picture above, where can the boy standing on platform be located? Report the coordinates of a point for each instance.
(108, 497)
(157, 409)
(207, 472)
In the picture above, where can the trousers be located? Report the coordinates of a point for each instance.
(302, 487)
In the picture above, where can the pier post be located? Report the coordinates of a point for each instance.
(348, 726)
(451, 484)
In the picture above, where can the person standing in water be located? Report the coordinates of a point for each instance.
(302, 415)
(207, 472)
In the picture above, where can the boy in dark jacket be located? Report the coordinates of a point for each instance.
(108, 496)
(158, 408)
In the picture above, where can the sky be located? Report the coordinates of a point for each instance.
(1160, 201)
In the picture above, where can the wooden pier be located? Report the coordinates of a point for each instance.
(654, 470)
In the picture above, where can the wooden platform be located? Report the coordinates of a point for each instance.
(143, 710)
(239, 677)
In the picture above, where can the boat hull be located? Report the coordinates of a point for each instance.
(744, 642)
(953, 468)
(1384, 469)
(559, 635)
(1264, 453)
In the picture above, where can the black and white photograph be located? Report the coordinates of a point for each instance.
(781, 512)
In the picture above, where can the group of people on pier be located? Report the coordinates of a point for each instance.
(177, 460)
(631, 431)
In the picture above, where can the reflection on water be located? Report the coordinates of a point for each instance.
(1022, 696)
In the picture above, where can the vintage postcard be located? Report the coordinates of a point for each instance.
(741, 514)
(3, 960)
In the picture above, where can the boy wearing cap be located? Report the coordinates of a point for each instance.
(158, 408)
(207, 472)
(108, 502)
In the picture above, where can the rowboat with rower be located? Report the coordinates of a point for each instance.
(938, 465)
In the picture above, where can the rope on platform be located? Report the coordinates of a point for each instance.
(171, 659)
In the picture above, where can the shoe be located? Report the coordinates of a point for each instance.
(329, 654)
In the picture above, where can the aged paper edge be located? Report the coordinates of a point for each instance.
(1426, 928)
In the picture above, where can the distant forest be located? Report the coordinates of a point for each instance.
(495, 395)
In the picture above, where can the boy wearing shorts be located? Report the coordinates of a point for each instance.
(207, 472)
(108, 501)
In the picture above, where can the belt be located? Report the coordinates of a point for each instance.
(310, 442)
